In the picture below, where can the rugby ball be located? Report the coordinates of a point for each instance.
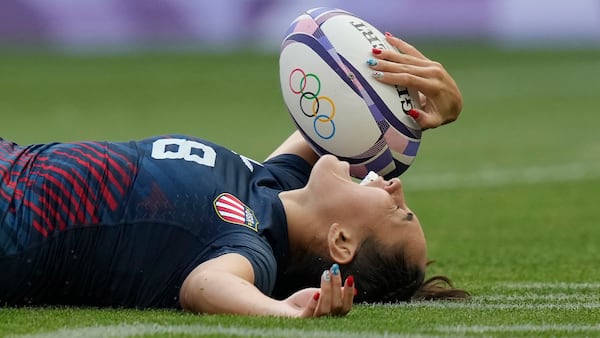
(334, 100)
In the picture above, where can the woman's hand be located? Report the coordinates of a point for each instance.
(440, 98)
(330, 300)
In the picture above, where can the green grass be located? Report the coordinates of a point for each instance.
(508, 195)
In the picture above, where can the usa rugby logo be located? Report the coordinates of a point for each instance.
(232, 210)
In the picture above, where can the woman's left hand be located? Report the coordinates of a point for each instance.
(440, 98)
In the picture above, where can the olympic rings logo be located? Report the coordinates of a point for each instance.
(321, 108)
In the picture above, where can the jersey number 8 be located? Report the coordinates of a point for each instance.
(180, 149)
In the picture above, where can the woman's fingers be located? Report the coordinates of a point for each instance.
(397, 57)
(428, 77)
(334, 299)
(324, 306)
(311, 306)
(396, 67)
(349, 293)
(336, 289)
(404, 46)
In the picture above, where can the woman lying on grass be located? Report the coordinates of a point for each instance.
(177, 221)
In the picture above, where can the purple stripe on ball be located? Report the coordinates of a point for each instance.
(323, 14)
(412, 148)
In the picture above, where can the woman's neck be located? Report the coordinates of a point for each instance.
(307, 230)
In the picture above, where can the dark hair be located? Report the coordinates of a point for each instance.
(381, 274)
(439, 288)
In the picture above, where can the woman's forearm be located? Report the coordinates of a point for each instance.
(214, 292)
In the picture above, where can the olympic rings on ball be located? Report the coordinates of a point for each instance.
(309, 88)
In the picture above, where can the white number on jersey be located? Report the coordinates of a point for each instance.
(182, 149)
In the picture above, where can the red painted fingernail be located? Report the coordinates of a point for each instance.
(388, 34)
(413, 113)
(376, 51)
(350, 281)
(316, 296)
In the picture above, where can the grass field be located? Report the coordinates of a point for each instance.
(508, 195)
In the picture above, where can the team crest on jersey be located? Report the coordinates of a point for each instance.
(232, 210)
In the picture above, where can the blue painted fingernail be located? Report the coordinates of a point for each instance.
(335, 269)
(326, 276)
(372, 62)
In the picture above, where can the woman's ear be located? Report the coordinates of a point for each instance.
(342, 244)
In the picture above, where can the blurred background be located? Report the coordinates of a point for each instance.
(123, 69)
(225, 25)
(508, 192)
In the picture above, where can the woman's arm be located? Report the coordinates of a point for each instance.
(297, 145)
(225, 285)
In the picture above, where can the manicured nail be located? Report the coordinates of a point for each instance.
(378, 75)
(372, 62)
(413, 113)
(388, 34)
(376, 51)
(335, 269)
(350, 281)
(326, 276)
(316, 296)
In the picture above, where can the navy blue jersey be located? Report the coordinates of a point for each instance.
(123, 224)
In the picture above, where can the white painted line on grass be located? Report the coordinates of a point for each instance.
(507, 176)
(525, 328)
(572, 306)
(132, 330)
(551, 285)
(555, 297)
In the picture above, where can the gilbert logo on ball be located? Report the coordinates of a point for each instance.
(336, 104)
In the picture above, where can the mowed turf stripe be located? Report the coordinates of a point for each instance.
(500, 177)
(131, 330)
(519, 328)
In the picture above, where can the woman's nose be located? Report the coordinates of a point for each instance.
(394, 188)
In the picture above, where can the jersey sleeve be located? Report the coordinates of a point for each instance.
(291, 171)
(256, 250)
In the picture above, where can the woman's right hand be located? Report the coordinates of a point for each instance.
(331, 299)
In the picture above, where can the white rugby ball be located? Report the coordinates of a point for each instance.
(334, 100)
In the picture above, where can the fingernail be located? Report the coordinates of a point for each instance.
(335, 269)
(326, 276)
(350, 281)
(316, 296)
(376, 51)
(372, 62)
(413, 113)
(378, 75)
(388, 34)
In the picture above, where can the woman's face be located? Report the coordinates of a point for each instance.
(379, 207)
